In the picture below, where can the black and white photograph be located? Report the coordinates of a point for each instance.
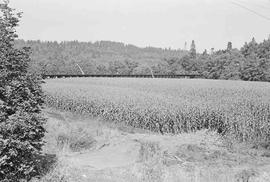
(135, 91)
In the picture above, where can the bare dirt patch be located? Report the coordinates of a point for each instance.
(93, 150)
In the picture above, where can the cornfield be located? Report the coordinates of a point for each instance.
(235, 108)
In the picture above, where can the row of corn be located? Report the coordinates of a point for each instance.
(242, 112)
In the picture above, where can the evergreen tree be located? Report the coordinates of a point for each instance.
(204, 52)
(251, 71)
(212, 51)
(263, 50)
(21, 123)
(229, 46)
(193, 49)
(250, 49)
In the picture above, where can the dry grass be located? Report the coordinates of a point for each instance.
(67, 137)
(190, 157)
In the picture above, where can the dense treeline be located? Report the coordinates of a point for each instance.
(251, 62)
(103, 57)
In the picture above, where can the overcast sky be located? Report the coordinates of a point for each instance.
(157, 23)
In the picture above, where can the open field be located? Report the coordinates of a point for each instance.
(92, 150)
(109, 129)
(239, 110)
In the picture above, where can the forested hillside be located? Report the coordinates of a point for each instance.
(251, 62)
(103, 57)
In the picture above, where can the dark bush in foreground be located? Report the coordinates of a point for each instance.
(21, 124)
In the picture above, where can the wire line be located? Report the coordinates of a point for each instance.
(258, 5)
(258, 14)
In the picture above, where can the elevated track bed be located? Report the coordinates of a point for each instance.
(124, 76)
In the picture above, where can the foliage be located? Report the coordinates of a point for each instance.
(251, 71)
(251, 62)
(250, 49)
(21, 125)
(102, 57)
(193, 49)
(229, 46)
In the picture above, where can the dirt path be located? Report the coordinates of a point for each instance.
(118, 153)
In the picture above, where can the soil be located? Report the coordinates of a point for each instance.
(119, 153)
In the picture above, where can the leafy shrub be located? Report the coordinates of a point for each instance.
(21, 122)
